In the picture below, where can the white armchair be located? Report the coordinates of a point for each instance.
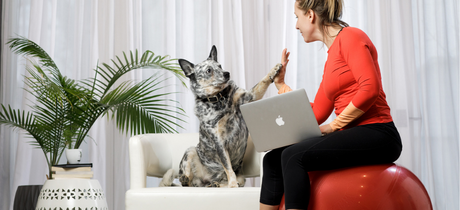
(154, 154)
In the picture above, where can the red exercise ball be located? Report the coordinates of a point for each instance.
(377, 187)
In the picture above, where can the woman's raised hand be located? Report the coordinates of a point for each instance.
(279, 80)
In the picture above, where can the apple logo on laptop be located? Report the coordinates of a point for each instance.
(279, 121)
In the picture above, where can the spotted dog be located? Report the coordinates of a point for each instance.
(217, 159)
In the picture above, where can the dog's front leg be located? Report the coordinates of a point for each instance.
(227, 165)
(258, 91)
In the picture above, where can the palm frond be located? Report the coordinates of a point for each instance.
(17, 119)
(24, 46)
(137, 119)
(42, 87)
(137, 109)
(147, 60)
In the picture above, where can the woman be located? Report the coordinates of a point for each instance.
(363, 132)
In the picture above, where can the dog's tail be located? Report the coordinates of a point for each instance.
(168, 179)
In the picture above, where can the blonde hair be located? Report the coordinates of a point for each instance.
(329, 12)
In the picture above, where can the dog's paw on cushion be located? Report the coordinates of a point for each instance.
(214, 184)
(184, 180)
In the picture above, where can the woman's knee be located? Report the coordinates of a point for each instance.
(272, 159)
(290, 154)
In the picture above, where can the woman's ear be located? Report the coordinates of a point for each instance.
(311, 16)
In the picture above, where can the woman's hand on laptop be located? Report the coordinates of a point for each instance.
(279, 80)
(325, 129)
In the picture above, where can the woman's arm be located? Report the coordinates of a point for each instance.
(356, 51)
(357, 54)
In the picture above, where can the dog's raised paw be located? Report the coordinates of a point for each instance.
(275, 71)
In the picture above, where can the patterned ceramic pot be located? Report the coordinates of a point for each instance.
(84, 194)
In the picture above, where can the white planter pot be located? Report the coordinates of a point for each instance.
(73, 155)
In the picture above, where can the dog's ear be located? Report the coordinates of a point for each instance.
(186, 66)
(213, 53)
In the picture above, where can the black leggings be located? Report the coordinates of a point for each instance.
(285, 169)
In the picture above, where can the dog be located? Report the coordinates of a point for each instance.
(217, 159)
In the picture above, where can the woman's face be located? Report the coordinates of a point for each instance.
(305, 24)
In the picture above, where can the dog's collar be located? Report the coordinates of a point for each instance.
(219, 96)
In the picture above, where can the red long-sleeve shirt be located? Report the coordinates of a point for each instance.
(352, 74)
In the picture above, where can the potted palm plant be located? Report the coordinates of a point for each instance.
(66, 109)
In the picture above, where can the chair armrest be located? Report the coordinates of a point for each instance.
(137, 163)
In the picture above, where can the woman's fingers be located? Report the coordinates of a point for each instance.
(285, 57)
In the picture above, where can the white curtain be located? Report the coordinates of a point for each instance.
(418, 45)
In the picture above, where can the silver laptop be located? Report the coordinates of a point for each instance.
(280, 120)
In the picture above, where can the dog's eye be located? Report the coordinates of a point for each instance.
(220, 67)
(208, 71)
